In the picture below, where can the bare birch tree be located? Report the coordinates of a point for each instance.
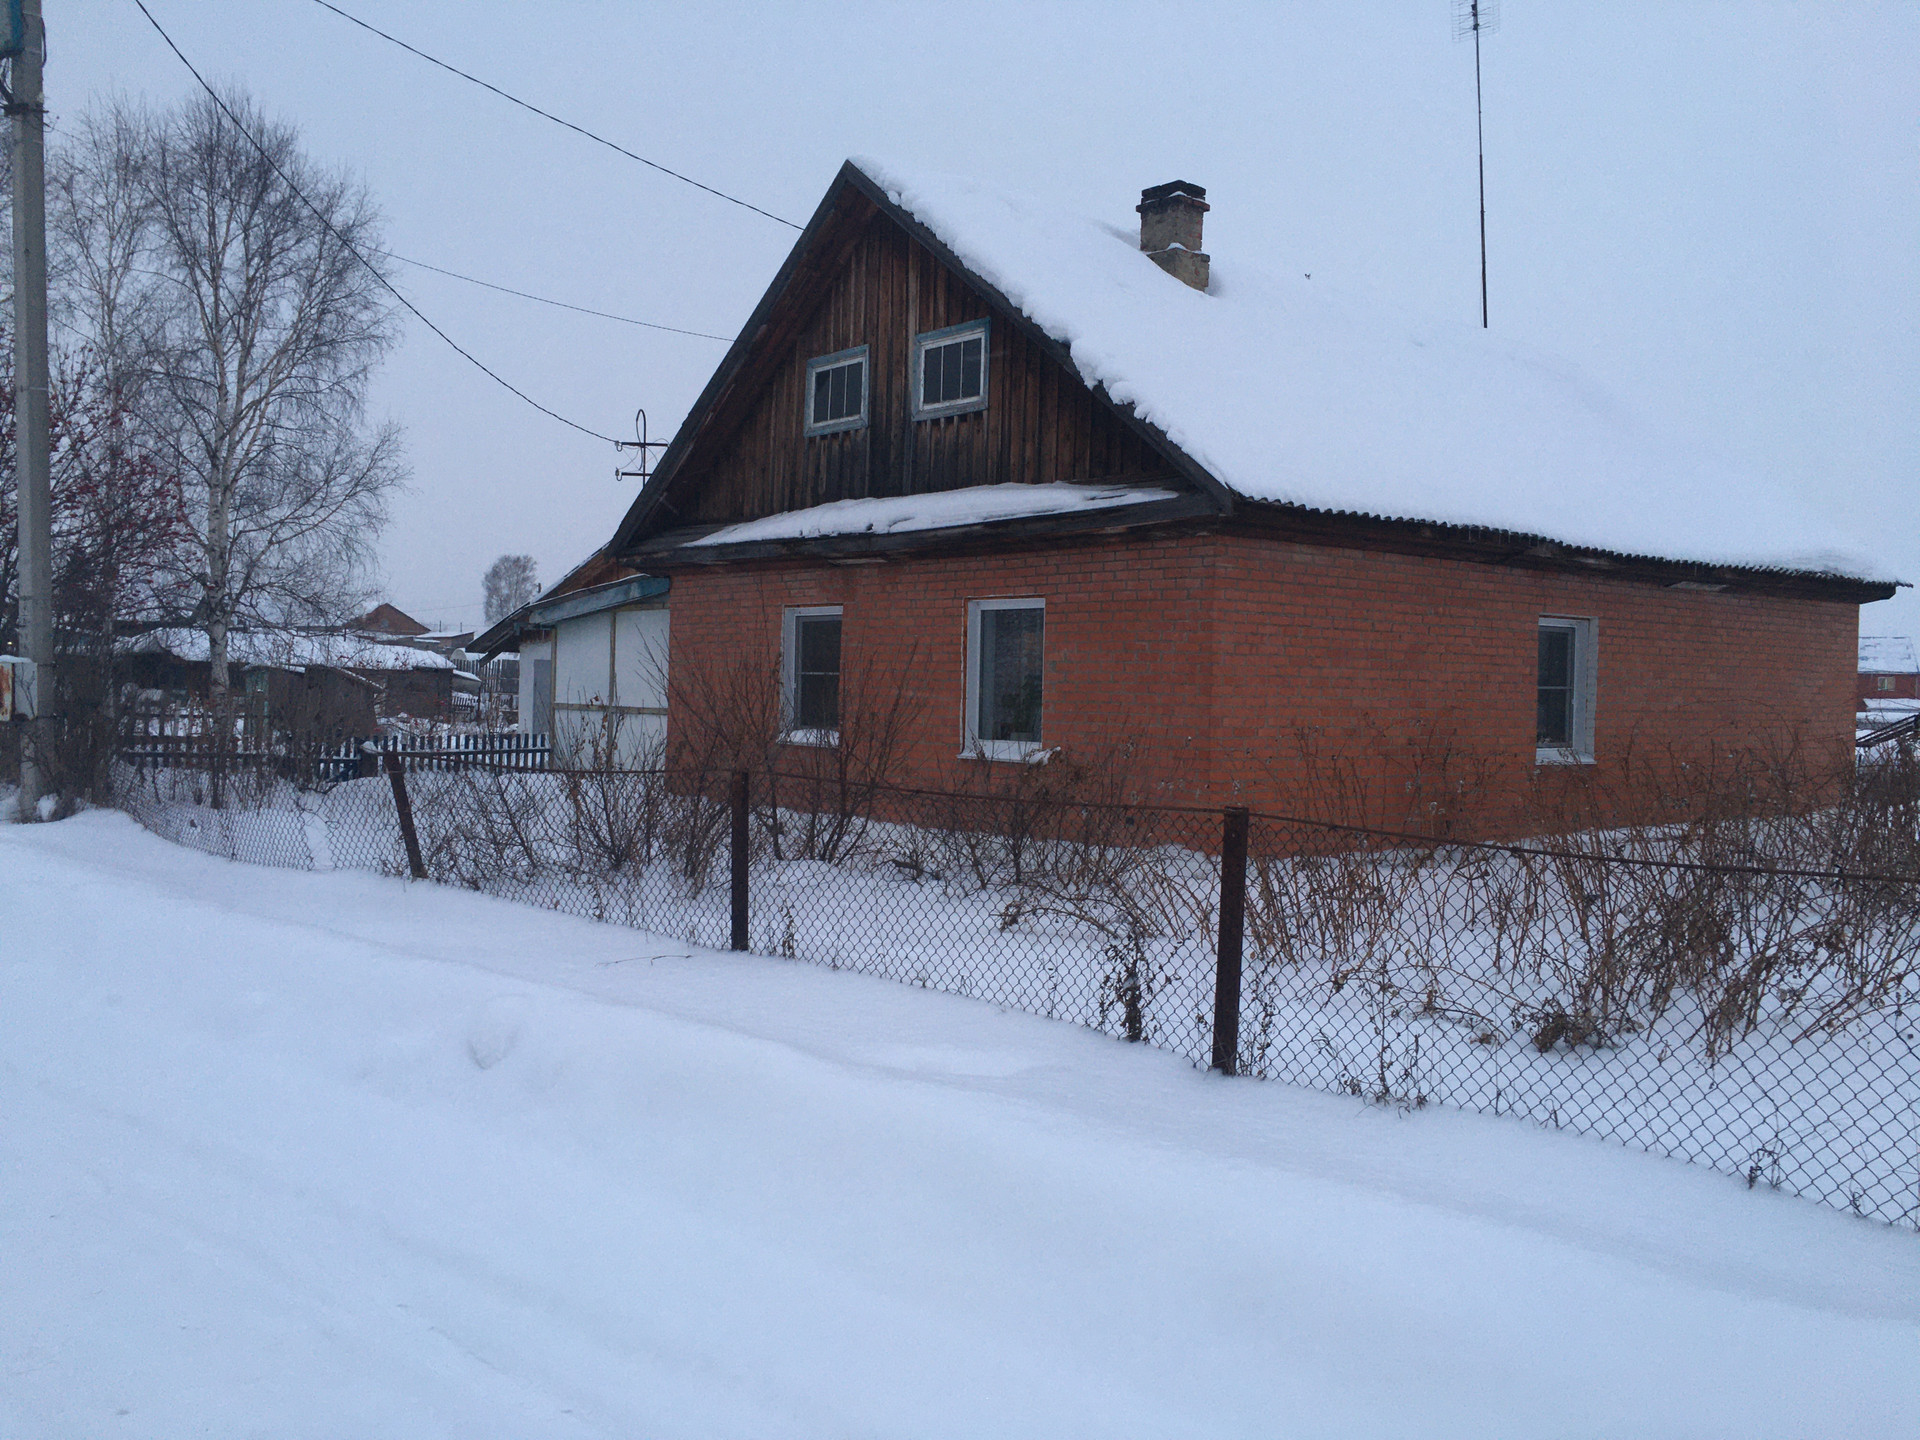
(103, 292)
(510, 582)
(268, 327)
(118, 518)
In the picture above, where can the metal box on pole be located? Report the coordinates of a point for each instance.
(19, 688)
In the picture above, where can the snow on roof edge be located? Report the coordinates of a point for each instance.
(1402, 421)
(938, 510)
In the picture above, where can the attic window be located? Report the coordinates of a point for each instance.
(950, 370)
(837, 391)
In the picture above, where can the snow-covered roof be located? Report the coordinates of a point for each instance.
(976, 505)
(290, 649)
(1887, 655)
(1287, 390)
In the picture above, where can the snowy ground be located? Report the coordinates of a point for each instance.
(324, 1154)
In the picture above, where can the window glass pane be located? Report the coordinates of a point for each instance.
(969, 386)
(819, 642)
(1554, 721)
(1556, 657)
(953, 372)
(838, 392)
(1554, 716)
(817, 703)
(930, 387)
(816, 699)
(1011, 645)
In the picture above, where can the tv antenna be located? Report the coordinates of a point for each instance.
(1471, 17)
(643, 466)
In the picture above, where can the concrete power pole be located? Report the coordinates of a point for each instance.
(28, 112)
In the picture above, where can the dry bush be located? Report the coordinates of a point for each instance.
(1061, 839)
(1422, 779)
(1780, 891)
(595, 825)
(821, 800)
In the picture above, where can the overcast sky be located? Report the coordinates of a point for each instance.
(1711, 208)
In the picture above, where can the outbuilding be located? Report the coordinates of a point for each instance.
(593, 664)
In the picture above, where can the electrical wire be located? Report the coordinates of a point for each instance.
(548, 115)
(561, 304)
(354, 250)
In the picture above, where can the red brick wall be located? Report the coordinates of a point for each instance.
(1418, 676)
(1308, 678)
(1904, 687)
(1128, 647)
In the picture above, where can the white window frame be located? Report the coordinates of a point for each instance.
(834, 362)
(932, 340)
(790, 672)
(976, 747)
(1586, 686)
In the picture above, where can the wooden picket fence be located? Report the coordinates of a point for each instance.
(185, 740)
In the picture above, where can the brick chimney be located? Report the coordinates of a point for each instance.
(1170, 220)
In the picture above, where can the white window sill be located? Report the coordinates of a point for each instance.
(1029, 752)
(836, 427)
(1557, 755)
(825, 739)
(952, 407)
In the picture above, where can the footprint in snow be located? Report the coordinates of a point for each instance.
(496, 1030)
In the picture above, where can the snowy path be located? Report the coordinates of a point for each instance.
(323, 1155)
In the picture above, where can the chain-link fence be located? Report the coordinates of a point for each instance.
(1753, 1018)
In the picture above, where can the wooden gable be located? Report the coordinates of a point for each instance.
(861, 277)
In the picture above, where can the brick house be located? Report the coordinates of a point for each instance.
(1889, 669)
(1052, 494)
(387, 619)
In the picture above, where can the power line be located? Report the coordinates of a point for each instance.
(524, 295)
(372, 269)
(547, 115)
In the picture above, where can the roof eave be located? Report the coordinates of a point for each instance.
(676, 550)
(1518, 549)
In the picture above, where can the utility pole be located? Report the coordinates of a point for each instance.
(24, 28)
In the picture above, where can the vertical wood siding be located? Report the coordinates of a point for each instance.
(878, 287)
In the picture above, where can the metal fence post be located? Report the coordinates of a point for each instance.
(397, 775)
(1233, 916)
(739, 857)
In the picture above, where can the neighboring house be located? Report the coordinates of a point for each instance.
(426, 693)
(304, 682)
(1889, 669)
(385, 619)
(1047, 491)
(593, 663)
